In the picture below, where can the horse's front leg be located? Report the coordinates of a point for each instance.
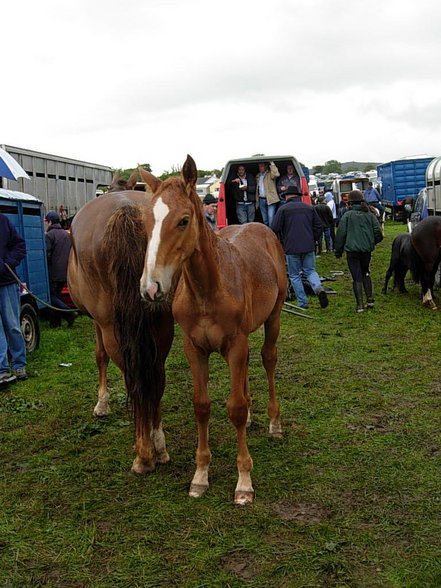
(198, 360)
(238, 408)
(102, 407)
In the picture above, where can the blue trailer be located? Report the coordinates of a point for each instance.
(26, 214)
(400, 179)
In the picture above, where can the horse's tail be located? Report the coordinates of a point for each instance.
(416, 264)
(137, 326)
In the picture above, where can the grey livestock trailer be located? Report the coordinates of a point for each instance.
(62, 184)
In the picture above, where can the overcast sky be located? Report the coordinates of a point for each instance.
(148, 81)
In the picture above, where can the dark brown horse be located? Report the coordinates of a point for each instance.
(230, 284)
(426, 238)
(105, 266)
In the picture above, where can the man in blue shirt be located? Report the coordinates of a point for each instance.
(373, 198)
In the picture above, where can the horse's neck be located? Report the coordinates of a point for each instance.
(201, 272)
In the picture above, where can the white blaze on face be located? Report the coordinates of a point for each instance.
(160, 211)
(148, 283)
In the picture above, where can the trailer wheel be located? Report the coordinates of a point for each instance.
(30, 327)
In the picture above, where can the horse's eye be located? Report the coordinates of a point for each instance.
(183, 222)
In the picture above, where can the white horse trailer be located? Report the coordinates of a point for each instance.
(62, 184)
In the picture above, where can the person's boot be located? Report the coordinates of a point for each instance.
(358, 293)
(70, 318)
(367, 284)
(323, 297)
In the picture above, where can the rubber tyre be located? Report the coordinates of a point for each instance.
(30, 327)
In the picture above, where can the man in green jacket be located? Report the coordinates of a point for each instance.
(357, 234)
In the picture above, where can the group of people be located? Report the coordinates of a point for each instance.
(262, 191)
(301, 227)
(12, 252)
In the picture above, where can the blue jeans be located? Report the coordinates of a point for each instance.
(327, 234)
(245, 212)
(296, 264)
(10, 332)
(268, 211)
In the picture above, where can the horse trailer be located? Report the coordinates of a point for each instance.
(342, 186)
(226, 210)
(62, 184)
(402, 179)
(26, 214)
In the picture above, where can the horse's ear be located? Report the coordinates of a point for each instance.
(131, 182)
(189, 171)
(115, 181)
(152, 182)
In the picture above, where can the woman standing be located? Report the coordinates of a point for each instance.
(358, 232)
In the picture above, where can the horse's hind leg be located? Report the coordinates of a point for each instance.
(400, 274)
(427, 284)
(269, 359)
(386, 279)
(102, 407)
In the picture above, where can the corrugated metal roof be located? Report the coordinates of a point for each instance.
(12, 195)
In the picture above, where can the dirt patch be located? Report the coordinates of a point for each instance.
(242, 564)
(304, 513)
(104, 526)
(378, 424)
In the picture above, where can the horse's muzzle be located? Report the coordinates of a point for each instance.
(152, 292)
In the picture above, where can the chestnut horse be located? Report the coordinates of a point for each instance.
(105, 265)
(230, 284)
(426, 238)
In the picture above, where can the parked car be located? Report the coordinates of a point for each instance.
(420, 209)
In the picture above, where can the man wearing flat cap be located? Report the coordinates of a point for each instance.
(210, 208)
(298, 226)
(58, 244)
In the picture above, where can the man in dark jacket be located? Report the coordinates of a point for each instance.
(298, 226)
(244, 193)
(58, 244)
(325, 214)
(12, 251)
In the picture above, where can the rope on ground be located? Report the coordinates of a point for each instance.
(20, 283)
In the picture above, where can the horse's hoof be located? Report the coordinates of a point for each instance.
(162, 457)
(275, 431)
(101, 411)
(141, 467)
(243, 497)
(196, 490)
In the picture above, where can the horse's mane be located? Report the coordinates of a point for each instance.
(124, 245)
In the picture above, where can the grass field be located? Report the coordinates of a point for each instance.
(350, 497)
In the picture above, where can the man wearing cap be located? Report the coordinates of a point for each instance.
(58, 246)
(210, 207)
(298, 226)
(12, 251)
